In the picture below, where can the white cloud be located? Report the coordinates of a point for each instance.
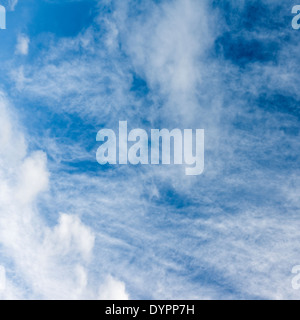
(71, 236)
(22, 46)
(33, 178)
(53, 262)
(167, 49)
(113, 290)
(13, 4)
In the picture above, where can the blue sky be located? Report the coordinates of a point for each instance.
(72, 229)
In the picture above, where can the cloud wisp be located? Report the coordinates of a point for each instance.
(37, 252)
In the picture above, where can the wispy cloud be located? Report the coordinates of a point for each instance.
(38, 252)
(231, 233)
(12, 4)
(22, 46)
